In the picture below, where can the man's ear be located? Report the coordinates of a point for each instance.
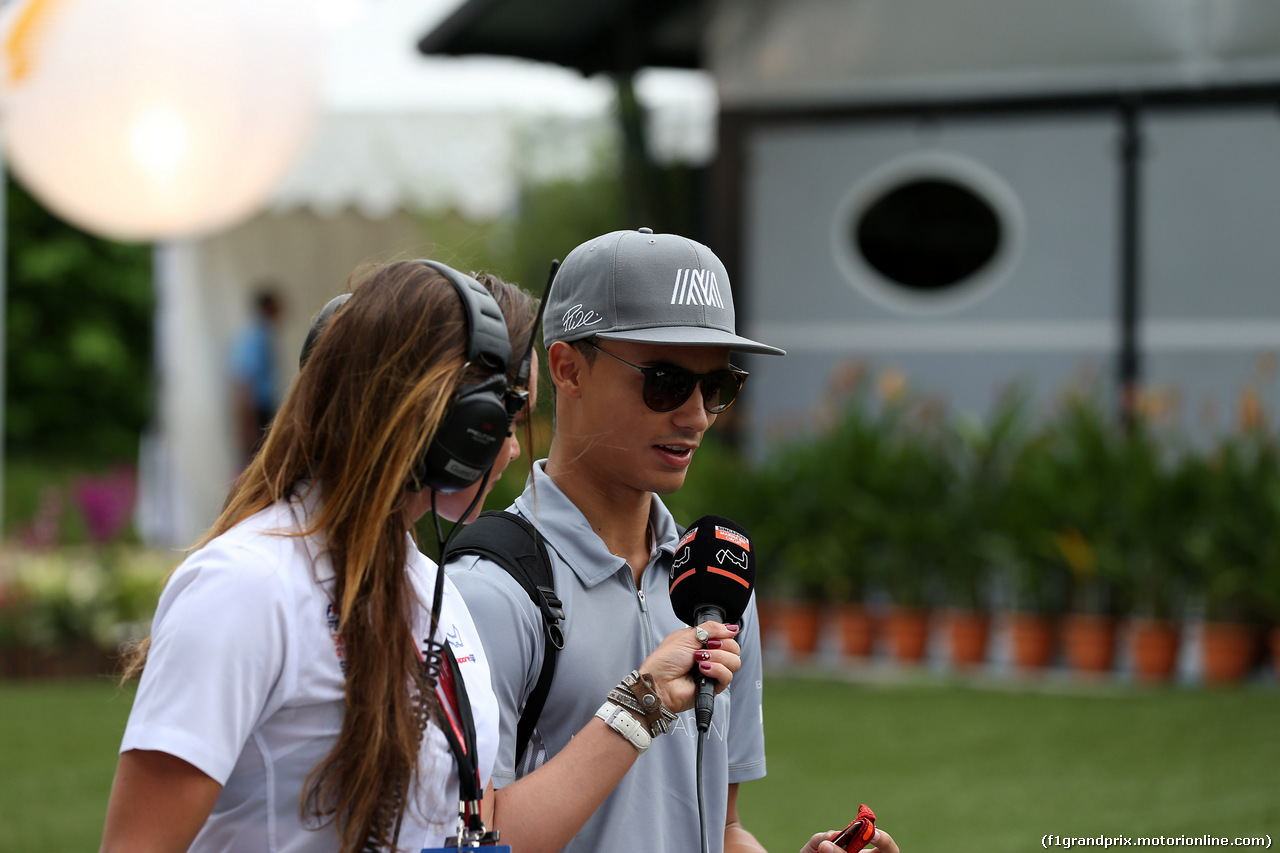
(565, 366)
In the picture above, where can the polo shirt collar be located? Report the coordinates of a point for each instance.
(567, 531)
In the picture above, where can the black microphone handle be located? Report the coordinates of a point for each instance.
(704, 703)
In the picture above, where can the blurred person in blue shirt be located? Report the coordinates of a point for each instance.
(254, 392)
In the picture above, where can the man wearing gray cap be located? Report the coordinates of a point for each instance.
(638, 329)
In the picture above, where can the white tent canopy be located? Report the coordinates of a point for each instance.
(399, 134)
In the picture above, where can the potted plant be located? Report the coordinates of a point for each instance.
(1166, 509)
(1233, 543)
(983, 453)
(829, 479)
(912, 531)
(1035, 577)
(1102, 466)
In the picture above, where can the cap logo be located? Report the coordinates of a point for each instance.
(577, 317)
(696, 287)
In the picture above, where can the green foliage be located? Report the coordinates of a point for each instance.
(865, 499)
(550, 219)
(983, 456)
(79, 340)
(1077, 512)
(58, 598)
(1231, 538)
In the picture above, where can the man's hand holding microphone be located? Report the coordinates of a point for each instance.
(712, 578)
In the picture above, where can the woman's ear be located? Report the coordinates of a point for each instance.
(566, 365)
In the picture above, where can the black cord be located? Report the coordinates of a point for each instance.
(437, 598)
(702, 809)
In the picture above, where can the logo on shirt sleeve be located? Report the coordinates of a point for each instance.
(339, 645)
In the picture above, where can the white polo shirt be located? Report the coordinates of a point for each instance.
(244, 681)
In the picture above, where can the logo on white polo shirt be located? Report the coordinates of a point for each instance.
(339, 645)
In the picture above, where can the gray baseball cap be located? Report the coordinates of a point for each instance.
(644, 288)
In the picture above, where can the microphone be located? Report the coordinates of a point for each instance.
(711, 579)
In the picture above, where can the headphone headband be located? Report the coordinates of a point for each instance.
(318, 323)
(487, 339)
(472, 432)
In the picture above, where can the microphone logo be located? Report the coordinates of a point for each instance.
(682, 559)
(726, 554)
(733, 537)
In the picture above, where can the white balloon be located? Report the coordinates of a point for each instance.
(154, 119)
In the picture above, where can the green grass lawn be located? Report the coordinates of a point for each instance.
(950, 768)
(946, 767)
(58, 741)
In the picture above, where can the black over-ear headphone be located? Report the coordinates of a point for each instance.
(472, 433)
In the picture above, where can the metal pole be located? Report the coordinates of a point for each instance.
(4, 310)
(1130, 362)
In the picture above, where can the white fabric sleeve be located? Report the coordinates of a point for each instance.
(219, 659)
(511, 633)
(746, 725)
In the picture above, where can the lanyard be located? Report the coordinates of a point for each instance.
(454, 717)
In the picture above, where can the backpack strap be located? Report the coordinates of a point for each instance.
(513, 543)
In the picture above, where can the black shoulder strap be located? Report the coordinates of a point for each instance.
(514, 543)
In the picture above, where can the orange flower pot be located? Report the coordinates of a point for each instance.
(969, 632)
(857, 630)
(1155, 649)
(1090, 642)
(1226, 650)
(908, 634)
(1033, 636)
(801, 623)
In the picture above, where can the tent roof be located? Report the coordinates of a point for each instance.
(789, 51)
(403, 131)
(591, 36)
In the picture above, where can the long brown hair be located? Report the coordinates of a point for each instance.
(366, 405)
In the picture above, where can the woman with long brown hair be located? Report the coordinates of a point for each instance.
(285, 703)
(312, 682)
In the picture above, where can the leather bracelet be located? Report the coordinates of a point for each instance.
(627, 699)
(658, 718)
(620, 720)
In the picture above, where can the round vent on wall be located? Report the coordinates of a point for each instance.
(928, 233)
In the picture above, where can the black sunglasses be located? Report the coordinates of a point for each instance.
(667, 387)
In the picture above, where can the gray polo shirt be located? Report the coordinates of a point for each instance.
(610, 628)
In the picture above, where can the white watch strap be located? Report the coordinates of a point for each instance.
(620, 720)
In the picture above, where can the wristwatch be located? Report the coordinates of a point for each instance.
(620, 720)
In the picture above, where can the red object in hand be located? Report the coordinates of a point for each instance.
(858, 834)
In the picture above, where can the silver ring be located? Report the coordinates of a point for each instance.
(701, 634)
